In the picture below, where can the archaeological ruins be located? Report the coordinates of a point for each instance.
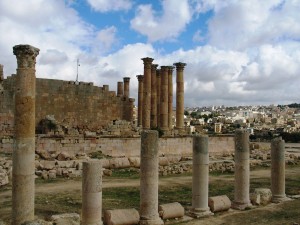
(50, 128)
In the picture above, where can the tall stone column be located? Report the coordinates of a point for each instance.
(126, 86)
(23, 170)
(140, 98)
(200, 177)
(278, 170)
(164, 91)
(91, 193)
(1, 73)
(147, 93)
(170, 97)
(149, 179)
(153, 120)
(242, 170)
(179, 95)
(120, 90)
(158, 82)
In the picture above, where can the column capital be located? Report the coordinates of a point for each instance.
(179, 65)
(126, 79)
(147, 60)
(163, 68)
(154, 66)
(140, 77)
(26, 55)
(171, 68)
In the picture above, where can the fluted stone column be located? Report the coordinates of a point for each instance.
(147, 93)
(120, 90)
(91, 193)
(170, 97)
(278, 170)
(158, 82)
(164, 91)
(200, 177)
(140, 98)
(1, 73)
(153, 117)
(242, 170)
(149, 178)
(23, 170)
(179, 95)
(126, 86)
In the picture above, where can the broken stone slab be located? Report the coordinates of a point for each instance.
(66, 219)
(171, 210)
(119, 163)
(255, 198)
(265, 195)
(219, 203)
(121, 217)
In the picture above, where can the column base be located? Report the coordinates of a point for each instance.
(279, 198)
(240, 205)
(200, 212)
(157, 221)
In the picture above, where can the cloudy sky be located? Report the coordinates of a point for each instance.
(238, 52)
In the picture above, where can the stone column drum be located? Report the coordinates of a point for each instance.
(200, 177)
(242, 170)
(179, 95)
(278, 170)
(140, 98)
(126, 86)
(149, 179)
(147, 92)
(153, 117)
(158, 82)
(164, 122)
(23, 170)
(170, 97)
(120, 90)
(91, 193)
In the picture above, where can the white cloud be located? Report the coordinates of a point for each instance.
(172, 21)
(110, 5)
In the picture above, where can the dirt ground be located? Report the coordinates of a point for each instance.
(253, 216)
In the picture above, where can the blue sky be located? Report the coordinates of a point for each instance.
(237, 52)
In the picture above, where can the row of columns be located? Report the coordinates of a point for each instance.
(155, 96)
(123, 87)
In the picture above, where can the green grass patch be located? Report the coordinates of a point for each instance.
(131, 173)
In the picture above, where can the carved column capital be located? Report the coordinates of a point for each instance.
(126, 79)
(26, 56)
(179, 66)
(147, 62)
(140, 78)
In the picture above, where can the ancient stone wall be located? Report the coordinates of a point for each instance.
(83, 105)
(121, 147)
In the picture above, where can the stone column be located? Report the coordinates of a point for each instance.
(242, 170)
(91, 193)
(140, 98)
(170, 97)
(126, 86)
(149, 179)
(164, 125)
(147, 93)
(200, 177)
(1, 73)
(158, 82)
(278, 170)
(120, 90)
(153, 120)
(179, 95)
(23, 170)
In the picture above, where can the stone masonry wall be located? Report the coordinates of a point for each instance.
(122, 147)
(83, 106)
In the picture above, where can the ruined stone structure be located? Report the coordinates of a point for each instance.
(179, 96)
(91, 193)
(242, 170)
(278, 170)
(83, 106)
(120, 90)
(24, 144)
(126, 86)
(200, 177)
(140, 98)
(149, 179)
